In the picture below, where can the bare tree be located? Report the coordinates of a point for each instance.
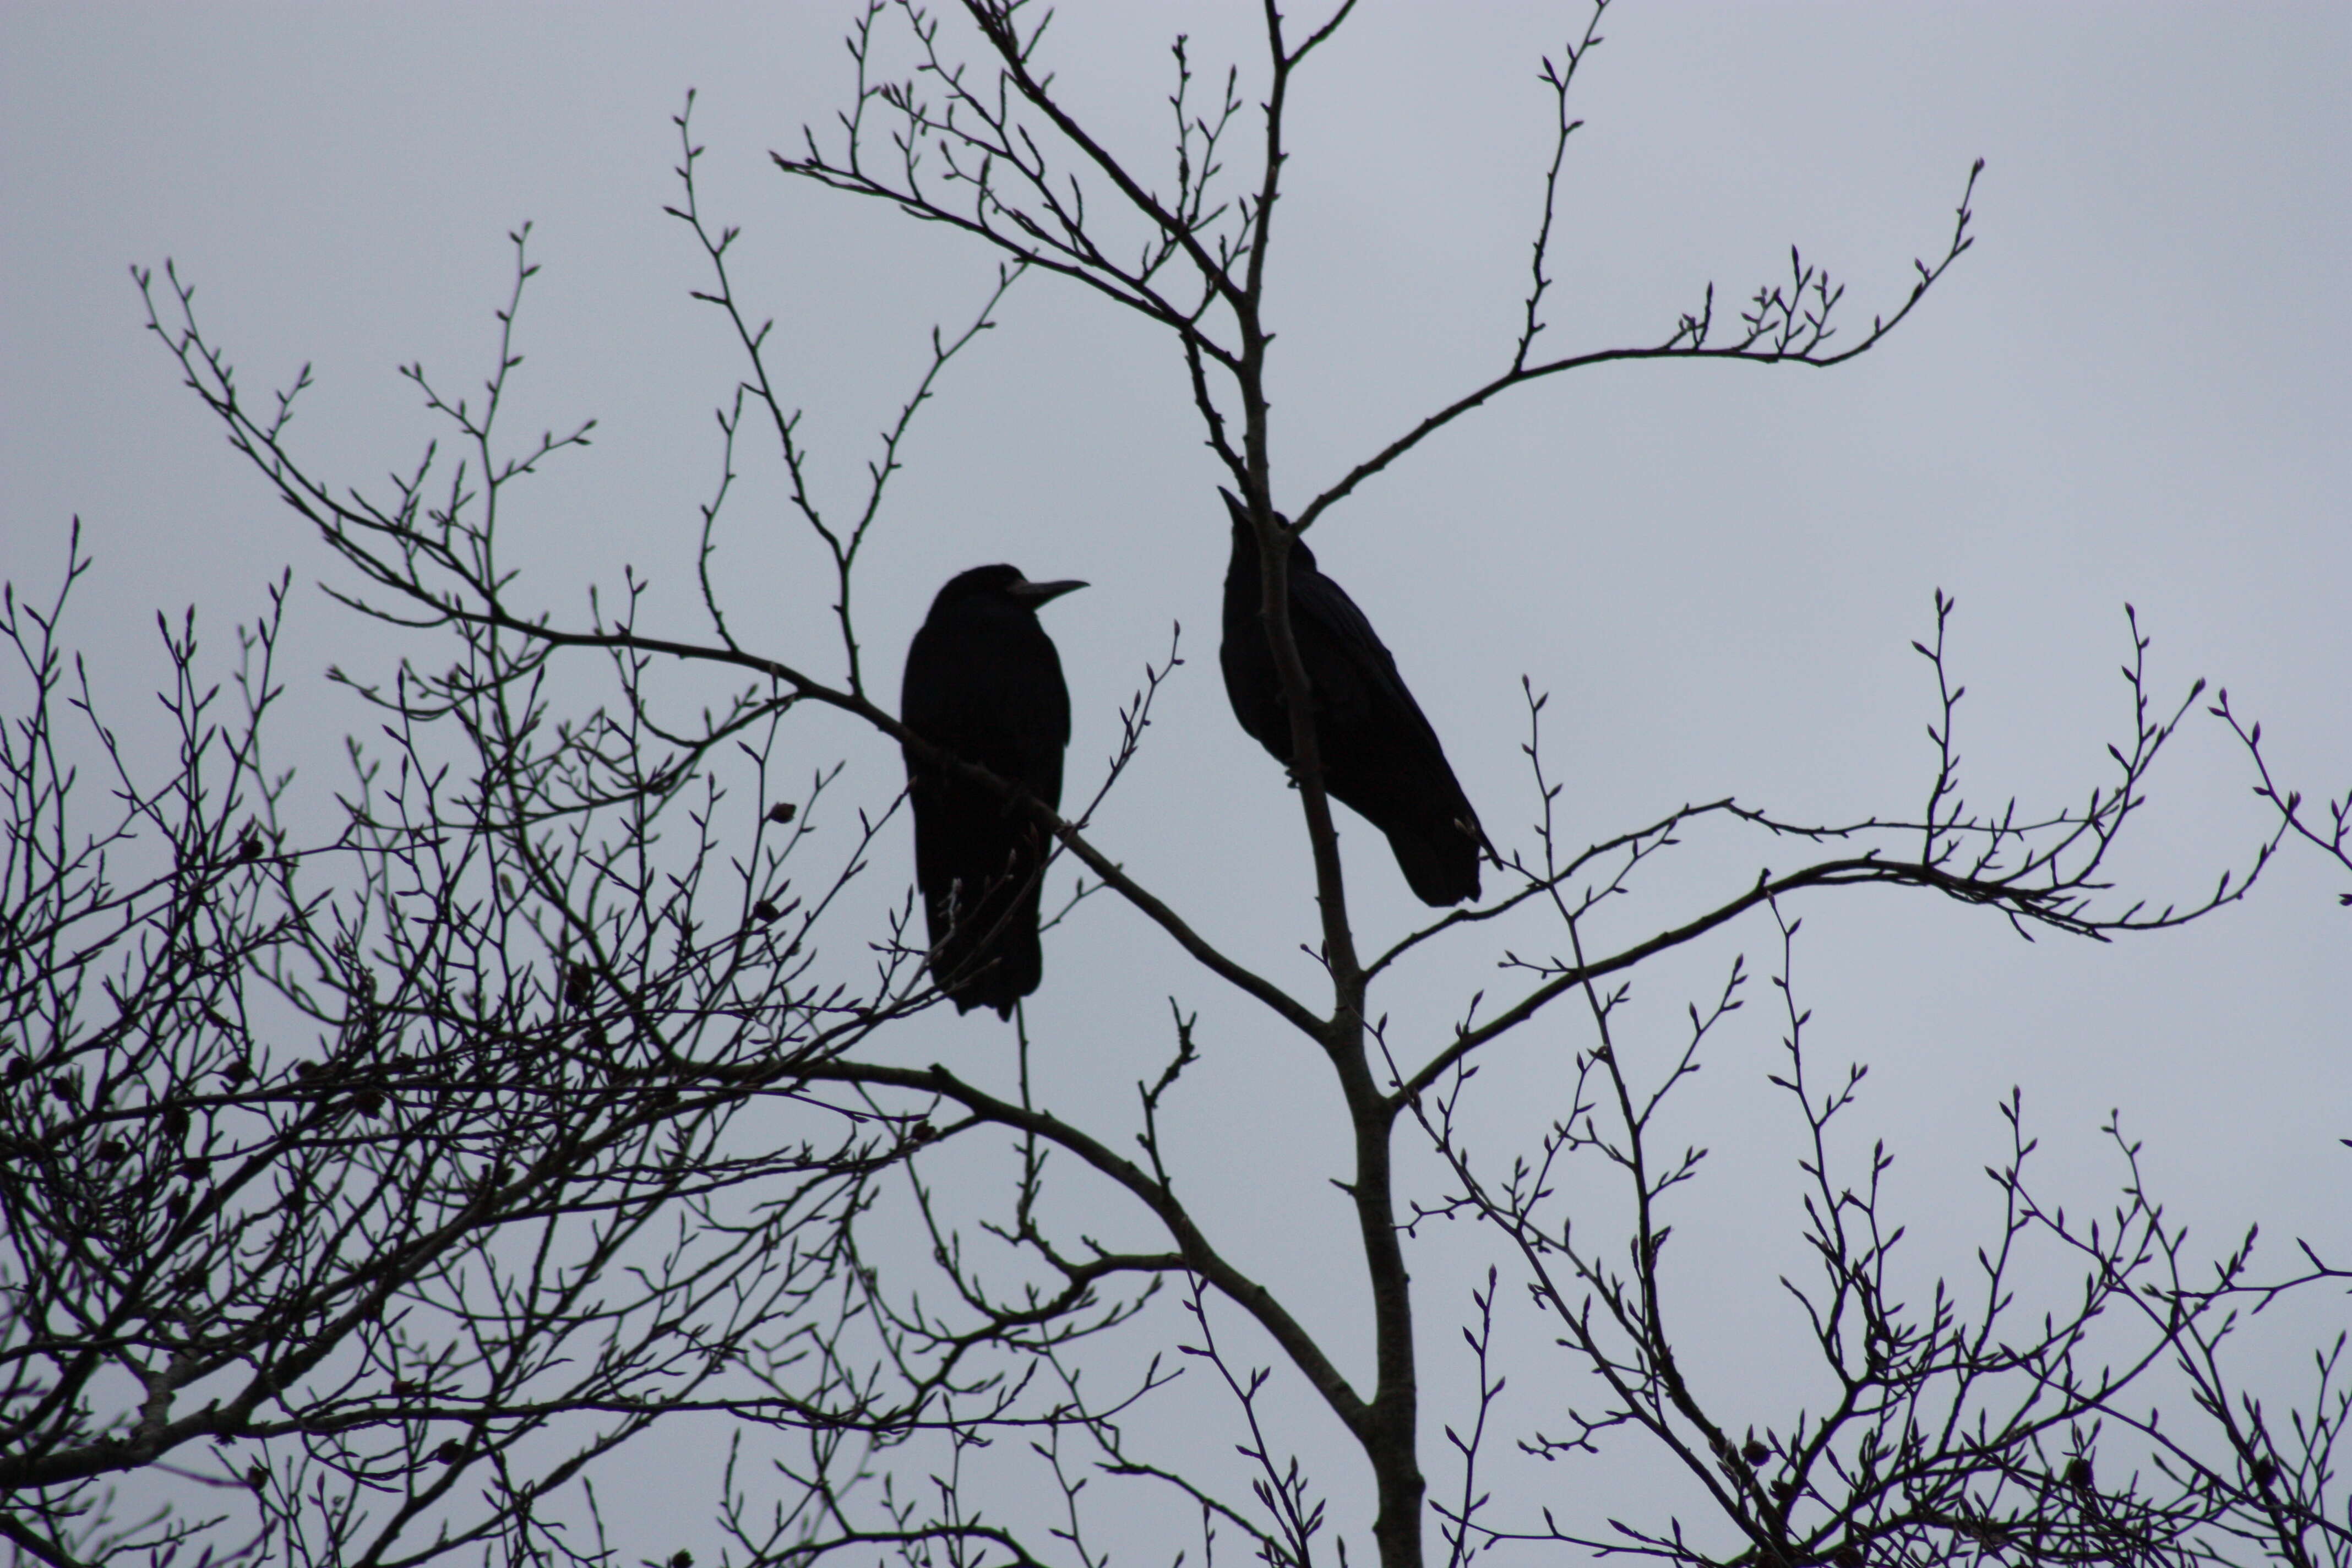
(372, 1186)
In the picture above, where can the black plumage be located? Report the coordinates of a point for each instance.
(1380, 757)
(984, 683)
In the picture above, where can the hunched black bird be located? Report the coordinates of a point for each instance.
(1380, 755)
(984, 683)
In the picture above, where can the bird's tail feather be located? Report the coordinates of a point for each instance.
(1439, 863)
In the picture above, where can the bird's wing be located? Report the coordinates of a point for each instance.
(1358, 674)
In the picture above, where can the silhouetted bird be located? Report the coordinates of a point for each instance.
(983, 683)
(1379, 754)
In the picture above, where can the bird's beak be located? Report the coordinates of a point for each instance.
(1036, 594)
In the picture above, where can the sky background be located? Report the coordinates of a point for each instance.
(2133, 389)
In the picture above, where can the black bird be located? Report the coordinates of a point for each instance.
(1379, 754)
(983, 683)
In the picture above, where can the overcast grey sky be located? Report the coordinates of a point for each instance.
(2134, 388)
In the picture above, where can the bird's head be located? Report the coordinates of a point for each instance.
(1245, 532)
(998, 584)
(1239, 509)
